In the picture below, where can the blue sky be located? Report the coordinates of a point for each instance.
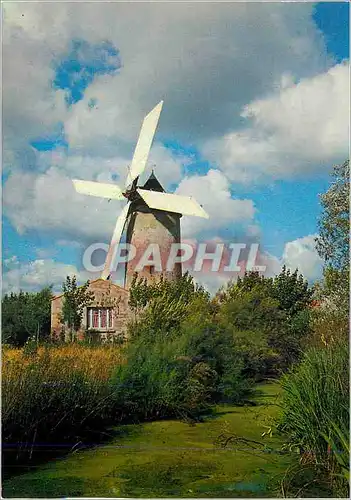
(332, 19)
(287, 209)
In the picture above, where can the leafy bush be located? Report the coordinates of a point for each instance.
(161, 306)
(179, 360)
(204, 339)
(158, 382)
(316, 394)
(260, 361)
(273, 311)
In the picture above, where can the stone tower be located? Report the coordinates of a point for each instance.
(148, 226)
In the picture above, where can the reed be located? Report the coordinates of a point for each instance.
(54, 394)
(315, 410)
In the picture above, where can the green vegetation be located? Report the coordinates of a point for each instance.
(53, 394)
(316, 405)
(75, 298)
(179, 360)
(334, 238)
(315, 411)
(273, 310)
(24, 316)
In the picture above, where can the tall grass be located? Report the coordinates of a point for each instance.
(315, 409)
(54, 395)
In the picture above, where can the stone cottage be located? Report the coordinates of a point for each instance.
(107, 315)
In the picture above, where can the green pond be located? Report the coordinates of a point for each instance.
(172, 459)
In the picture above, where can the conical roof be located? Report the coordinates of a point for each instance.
(152, 184)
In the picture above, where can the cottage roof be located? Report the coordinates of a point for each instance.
(94, 281)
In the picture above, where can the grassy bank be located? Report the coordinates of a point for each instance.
(170, 458)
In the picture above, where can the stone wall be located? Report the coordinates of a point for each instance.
(106, 294)
(152, 227)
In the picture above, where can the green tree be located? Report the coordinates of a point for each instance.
(252, 280)
(160, 306)
(26, 315)
(142, 291)
(251, 310)
(75, 299)
(275, 310)
(333, 240)
(291, 290)
(41, 313)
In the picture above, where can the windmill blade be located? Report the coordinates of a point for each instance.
(185, 205)
(117, 233)
(144, 143)
(100, 189)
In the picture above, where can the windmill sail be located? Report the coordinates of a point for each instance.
(144, 143)
(100, 189)
(117, 233)
(172, 203)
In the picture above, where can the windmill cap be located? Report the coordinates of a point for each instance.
(153, 184)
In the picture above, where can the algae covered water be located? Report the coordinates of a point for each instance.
(224, 456)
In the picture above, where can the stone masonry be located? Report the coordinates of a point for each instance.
(106, 295)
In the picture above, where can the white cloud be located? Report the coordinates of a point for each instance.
(69, 243)
(32, 276)
(31, 108)
(11, 262)
(35, 275)
(212, 282)
(298, 254)
(44, 253)
(206, 60)
(201, 58)
(81, 166)
(212, 191)
(48, 202)
(300, 130)
(302, 254)
(168, 168)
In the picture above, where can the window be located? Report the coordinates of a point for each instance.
(103, 314)
(100, 317)
(95, 322)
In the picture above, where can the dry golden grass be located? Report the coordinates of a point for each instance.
(93, 362)
(55, 390)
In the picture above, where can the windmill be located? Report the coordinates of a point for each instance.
(152, 214)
